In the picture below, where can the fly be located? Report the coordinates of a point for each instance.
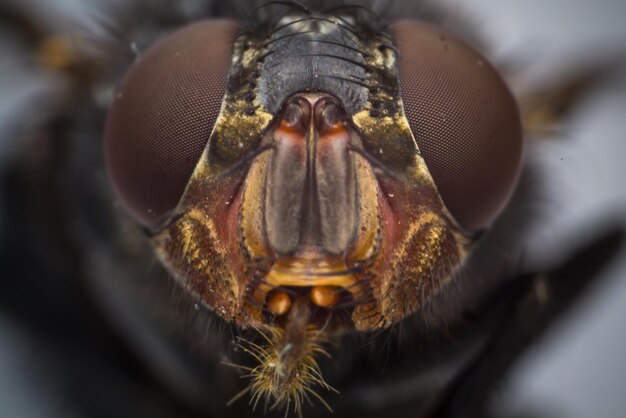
(314, 180)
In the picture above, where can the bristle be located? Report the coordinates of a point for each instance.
(281, 380)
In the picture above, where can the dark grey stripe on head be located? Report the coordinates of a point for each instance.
(313, 54)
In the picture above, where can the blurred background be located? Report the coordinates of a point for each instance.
(579, 369)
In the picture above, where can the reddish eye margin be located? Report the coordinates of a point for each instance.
(162, 116)
(464, 118)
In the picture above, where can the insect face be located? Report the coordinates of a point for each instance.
(312, 178)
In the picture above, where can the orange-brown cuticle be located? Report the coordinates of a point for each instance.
(279, 303)
(325, 296)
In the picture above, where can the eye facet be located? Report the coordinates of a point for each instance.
(464, 119)
(163, 114)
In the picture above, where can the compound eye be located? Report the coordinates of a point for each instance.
(464, 119)
(162, 116)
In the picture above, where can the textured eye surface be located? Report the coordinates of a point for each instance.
(464, 119)
(163, 114)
